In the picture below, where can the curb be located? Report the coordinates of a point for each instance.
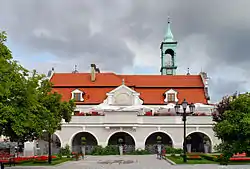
(169, 161)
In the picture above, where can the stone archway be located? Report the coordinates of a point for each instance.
(42, 144)
(91, 142)
(128, 141)
(151, 141)
(199, 142)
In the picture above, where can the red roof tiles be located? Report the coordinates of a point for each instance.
(150, 87)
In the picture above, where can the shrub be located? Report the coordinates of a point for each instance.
(171, 150)
(65, 151)
(139, 152)
(108, 150)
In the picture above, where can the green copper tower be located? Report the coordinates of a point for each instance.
(168, 54)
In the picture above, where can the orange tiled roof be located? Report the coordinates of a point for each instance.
(150, 87)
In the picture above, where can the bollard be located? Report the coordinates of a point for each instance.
(2, 165)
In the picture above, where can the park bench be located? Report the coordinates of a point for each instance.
(7, 159)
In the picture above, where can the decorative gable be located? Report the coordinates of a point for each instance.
(123, 96)
(171, 96)
(77, 95)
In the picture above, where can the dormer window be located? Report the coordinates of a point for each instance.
(77, 95)
(171, 96)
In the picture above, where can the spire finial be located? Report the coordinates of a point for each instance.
(123, 81)
(169, 36)
(188, 73)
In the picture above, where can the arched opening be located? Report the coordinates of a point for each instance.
(42, 144)
(126, 139)
(157, 138)
(199, 142)
(90, 142)
(169, 60)
(170, 52)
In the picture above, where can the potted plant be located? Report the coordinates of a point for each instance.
(206, 144)
(189, 145)
(120, 141)
(83, 146)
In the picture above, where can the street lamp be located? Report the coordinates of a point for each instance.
(184, 114)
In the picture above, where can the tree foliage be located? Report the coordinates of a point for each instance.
(233, 124)
(27, 104)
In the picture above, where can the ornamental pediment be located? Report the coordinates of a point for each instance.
(123, 96)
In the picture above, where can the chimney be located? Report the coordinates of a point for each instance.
(93, 72)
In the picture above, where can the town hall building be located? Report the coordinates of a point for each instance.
(136, 108)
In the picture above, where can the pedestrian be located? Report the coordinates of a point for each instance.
(159, 151)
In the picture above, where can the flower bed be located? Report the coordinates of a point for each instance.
(32, 158)
(194, 157)
(240, 159)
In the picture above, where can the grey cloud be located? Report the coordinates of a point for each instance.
(64, 29)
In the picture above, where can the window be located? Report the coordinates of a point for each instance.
(77, 97)
(171, 97)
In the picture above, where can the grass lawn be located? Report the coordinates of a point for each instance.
(179, 160)
(45, 163)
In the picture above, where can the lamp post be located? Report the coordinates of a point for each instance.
(184, 114)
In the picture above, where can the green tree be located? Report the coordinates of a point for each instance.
(18, 98)
(28, 106)
(52, 110)
(233, 127)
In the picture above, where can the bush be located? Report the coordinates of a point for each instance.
(171, 150)
(65, 151)
(108, 150)
(139, 152)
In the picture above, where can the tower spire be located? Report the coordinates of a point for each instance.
(169, 37)
(168, 53)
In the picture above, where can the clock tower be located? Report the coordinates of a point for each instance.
(168, 48)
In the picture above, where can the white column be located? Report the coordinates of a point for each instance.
(178, 145)
(139, 145)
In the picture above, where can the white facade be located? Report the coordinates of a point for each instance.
(123, 111)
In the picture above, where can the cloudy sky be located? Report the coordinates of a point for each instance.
(124, 36)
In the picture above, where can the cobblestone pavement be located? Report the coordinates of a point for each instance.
(129, 162)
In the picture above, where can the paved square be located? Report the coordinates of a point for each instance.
(130, 162)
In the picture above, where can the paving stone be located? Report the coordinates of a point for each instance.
(130, 162)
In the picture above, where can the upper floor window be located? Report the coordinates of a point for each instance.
(77, 95)
(171, 96)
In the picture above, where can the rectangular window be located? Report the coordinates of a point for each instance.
(77, 97)
(171, 97)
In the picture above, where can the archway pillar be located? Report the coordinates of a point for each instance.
(103, 143)
(178, 145)
(140, 145)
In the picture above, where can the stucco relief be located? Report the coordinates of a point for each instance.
(123, 99)
(123, 96)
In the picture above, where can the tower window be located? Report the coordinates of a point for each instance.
(171, 97)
